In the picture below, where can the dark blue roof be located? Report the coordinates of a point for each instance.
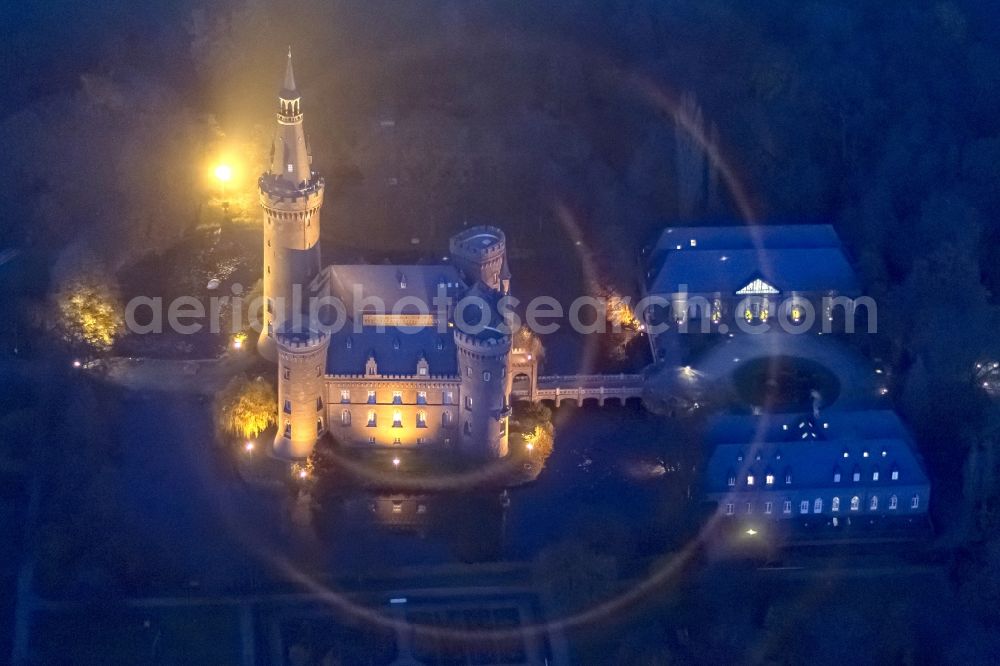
(812, 450)
(803, 258)
(396, 351)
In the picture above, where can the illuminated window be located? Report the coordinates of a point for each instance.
(915, 502)
(345, 395)
(788, 478)
(873, 505)
(895, 475)
(731, 482)
(448, 398)
(875, 475)
(397, 506)
(857, 476)
(371, 440)
(804, 506)
(730, 509)
(289, 168)
(749, 479)
(855, 503)
(345, 417)
(397, 419)
(422, 370)
(818, 506)
(319, 425)
(768, 506)
(371, 397)
(893, 502)
(397, 397)
(769, 480)
(371, 418)
(835, 505)
(421, 419)
(836, 477)
(421, 397)
(786, 507)
(447, 419)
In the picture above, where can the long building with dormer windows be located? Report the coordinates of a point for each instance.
(841, 464)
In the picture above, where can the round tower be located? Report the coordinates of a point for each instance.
(301, 354)
(480, 253)
(291, 195)
(483, 360)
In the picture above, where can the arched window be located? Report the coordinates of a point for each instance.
(421, 419)
(835, 504)
(345, 417)
(397, 419)
(893, 502)
(446, 419)
(319, 425)
(371, 418)
(873, 504)
(468, 428)
(769, 479)
(855, 503)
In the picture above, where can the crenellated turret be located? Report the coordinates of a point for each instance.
(484, 348)
(480, 253)
(301, 354)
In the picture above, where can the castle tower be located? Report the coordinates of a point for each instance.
(480, 253)
(301, 354)
(484, 365)
(291, 195)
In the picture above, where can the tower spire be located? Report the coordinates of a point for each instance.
(289, 86)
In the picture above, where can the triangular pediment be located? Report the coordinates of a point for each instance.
(757, 287)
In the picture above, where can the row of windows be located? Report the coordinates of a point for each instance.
(396, 441)
(487, 375)
(286, 372)
(287, 407)
(447, 397)
(817, 505)
(288, 427)
(397, 419)
(769, 478)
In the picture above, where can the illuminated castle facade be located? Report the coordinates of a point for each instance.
(387, 366)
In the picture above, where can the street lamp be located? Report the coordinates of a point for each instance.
(224, 174)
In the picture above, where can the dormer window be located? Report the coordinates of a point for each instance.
(895, 475)
(864, 454)
(395, 343)
(788, 478)
(402, 280)
(836, 476)
(846, 454)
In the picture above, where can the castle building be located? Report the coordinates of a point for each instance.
(398, 355)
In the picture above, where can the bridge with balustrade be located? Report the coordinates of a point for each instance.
(578, 388)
